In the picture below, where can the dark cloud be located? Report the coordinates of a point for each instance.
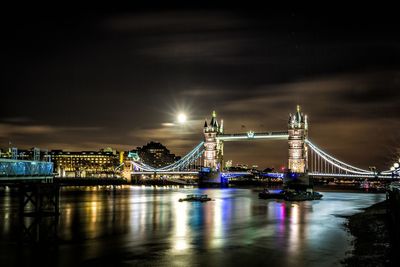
(118, 77)
(167, 22)
(381, 87)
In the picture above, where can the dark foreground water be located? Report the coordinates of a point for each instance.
(138, 226)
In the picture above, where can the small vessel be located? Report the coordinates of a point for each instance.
(316, 195)
(199, 198)
(266, 194)
(302, 196)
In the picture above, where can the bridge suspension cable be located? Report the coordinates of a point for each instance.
(322, 160)
(182, 164)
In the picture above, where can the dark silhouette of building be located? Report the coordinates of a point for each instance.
(156, 155)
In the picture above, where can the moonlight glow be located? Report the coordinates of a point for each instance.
(181, 118)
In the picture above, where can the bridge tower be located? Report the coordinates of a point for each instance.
(210, 175)
(213, 148)
(298, 132)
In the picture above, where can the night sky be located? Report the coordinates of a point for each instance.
(85, 80)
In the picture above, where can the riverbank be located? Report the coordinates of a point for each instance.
(372, 244)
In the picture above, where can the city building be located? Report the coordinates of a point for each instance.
(155, 154)
(85, 163)
(25, 154)
(5, 153)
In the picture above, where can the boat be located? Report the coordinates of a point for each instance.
(302, 196)
(266, 194)
(317, 196)
(198, 198)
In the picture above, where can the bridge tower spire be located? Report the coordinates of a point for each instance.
(298, 132)
(214, 150)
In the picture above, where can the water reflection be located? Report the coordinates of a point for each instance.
(181, 236)
(137, 225)
(35, 230)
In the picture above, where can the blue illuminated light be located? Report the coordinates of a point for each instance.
(205, 169)
(9, 167)
(277, 175)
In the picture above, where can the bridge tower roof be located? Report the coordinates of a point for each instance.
(214, 122)
(298, 118)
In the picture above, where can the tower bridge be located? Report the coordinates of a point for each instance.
(305, 159)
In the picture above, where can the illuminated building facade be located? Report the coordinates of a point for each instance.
(298, 131)
(84, 163)
(214, 148)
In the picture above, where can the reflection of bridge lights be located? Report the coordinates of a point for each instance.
(294, 234)
(181, 244)
(280, 212)
(181, 220)
(295, 213)
(217, 240)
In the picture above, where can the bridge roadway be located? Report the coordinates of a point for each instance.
(345, 175)
(24, 170)
(223, 174)
(273, 175)
(166, 172)
(281, 135)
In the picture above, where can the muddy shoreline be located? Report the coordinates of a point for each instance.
(373, 243)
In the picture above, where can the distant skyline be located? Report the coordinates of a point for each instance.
(118, 78)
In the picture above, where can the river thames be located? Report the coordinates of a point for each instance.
(148, 226)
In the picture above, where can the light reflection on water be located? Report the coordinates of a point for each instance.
(144, 225)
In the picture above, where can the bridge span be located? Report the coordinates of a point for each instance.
(253, 136)
(24, 170)
(304, 157)
(165, 172)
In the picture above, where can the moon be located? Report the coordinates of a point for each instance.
(182, 118)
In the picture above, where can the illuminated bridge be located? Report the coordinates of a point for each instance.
(25, 170)
(38, 194)
(304, 157)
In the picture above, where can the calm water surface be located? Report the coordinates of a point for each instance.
(148, 226)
